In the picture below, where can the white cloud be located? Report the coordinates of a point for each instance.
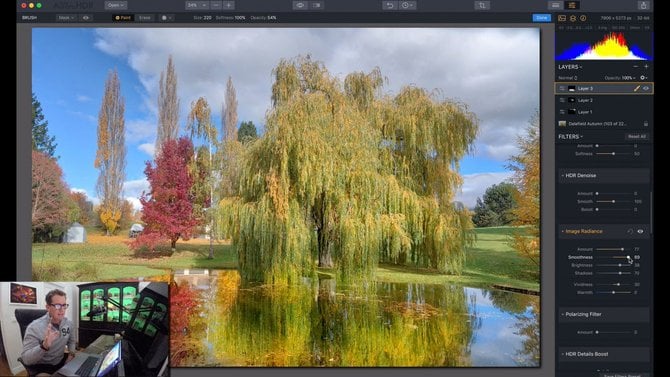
(501, 151)
(135, 187)
(140, 130)
(494, 71)
(474, 186)
(83, 98)
(148, 148)
(133, 191)
(135, 202)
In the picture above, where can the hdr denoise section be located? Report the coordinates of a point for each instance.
(375, 189)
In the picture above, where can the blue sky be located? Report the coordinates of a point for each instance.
(69, 75)
(497, 341)
(494, 71)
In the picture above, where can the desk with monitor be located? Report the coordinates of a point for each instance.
(140, 328)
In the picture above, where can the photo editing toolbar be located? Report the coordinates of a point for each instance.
(464, 186)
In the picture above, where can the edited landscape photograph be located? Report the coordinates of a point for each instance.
(315, 197)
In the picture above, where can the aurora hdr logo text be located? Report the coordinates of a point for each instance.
(82, 5)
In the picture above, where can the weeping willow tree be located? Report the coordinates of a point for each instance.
(350, 177)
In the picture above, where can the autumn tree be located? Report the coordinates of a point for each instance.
(111, 154)
(49, 210)
(229, 113)
(231, 147)
(200, 125)
(73, 210)
(350, 177)
(526, 167)
(230, 157)
(496, 207)
(200, 171)
(168, 105)
(247, 132)
(127, 214)
(85, 207)
(168, 207)
(42, 141)
(185, 320)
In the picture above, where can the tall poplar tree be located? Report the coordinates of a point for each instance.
(229, 113)
(111, 154)
(200, 125)
(168, 106)
(230, 148)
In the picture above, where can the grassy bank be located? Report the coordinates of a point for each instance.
(103, 257)
(489, 261)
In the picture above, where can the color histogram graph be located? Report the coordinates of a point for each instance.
(612, 46)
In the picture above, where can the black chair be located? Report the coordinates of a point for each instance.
(24, 317)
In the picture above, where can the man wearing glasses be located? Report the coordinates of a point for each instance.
(46, 337)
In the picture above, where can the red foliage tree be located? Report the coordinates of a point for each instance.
(50, 193)
(184, 308)
(168, 208)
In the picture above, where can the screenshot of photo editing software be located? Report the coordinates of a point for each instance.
(369, 187)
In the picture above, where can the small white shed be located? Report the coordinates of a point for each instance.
(75, 234)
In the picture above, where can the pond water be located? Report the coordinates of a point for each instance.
(215, 322)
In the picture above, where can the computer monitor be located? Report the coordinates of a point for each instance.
(111, 360)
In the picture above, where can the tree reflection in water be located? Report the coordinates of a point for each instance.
(322, 324)
(528, 326)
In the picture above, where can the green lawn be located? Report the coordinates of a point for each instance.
(489, 261)
(492, 255)
(103, 257)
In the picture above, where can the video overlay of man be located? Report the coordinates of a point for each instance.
(46, 337)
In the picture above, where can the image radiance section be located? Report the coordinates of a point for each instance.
(315, 197)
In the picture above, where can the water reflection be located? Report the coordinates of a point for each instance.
(498, 340)
(321, 323)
